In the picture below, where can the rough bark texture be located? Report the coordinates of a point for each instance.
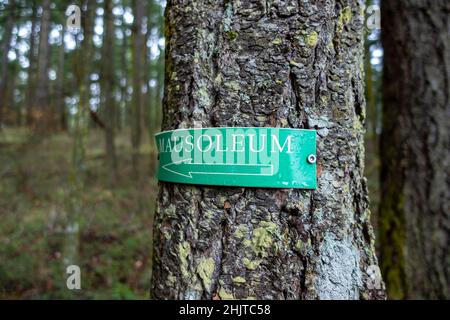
(291, 64)
(415, 149)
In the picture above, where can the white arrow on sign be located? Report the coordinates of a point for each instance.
(186, 168)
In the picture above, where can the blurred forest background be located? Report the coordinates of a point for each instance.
(78, 111)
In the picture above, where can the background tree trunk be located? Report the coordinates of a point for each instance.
(147, 98)
(30, 89)
(107, 90)
(60, 90)
(123, 114)
(159, 92)
(77, 175)
(5, 47)
(138, 64)
(42, 83)
(14, 109)
(295, 64)
(415, 149)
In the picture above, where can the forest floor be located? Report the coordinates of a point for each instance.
(115, 224)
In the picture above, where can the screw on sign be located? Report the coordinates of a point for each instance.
(312, 158)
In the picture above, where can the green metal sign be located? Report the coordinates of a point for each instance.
(245, 157)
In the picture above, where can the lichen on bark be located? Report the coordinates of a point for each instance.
(295, 64)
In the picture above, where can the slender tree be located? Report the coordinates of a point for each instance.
(155, 68)
(42, 83)
(138, 64)
(5, 47)
(107, 86)
(59, 86)
(415, 149)
(296, 65)
(74, 199)
(147, 102)
(159, 90)
(12, 87)
(30, 89)
(121, 116)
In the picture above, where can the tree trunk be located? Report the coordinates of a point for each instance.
(42, 83)
(147, 102)
(371, 121)
(10, 96)
(30, 90)
(159, 92)
(122, 114)
(159, 72)
(138, 64)
(74, 200)
(5, 47)
(296, 64)
(107, 91)
(60, 103)
(415, 149)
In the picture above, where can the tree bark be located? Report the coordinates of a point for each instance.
(42, 82)
(415, 149)
(122, 118)
(74, 197)
(107, 88)
(60, 92)
(296, 64)
(5, 47)
(30, 90)
(159, 91)
(10, 96)
(148, 102)
(138, 64)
